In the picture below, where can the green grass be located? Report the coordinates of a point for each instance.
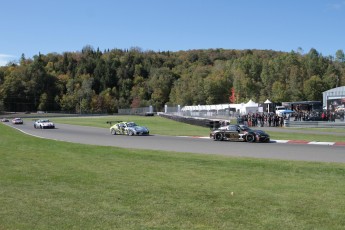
(306, 137)
(163, 126)
(156, 124)
(334, 130)
(46, 184)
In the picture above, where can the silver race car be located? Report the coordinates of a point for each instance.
(128, 128)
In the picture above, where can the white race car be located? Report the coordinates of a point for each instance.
(44, 124)
(17, 121)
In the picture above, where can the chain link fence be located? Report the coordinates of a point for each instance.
(225, 114)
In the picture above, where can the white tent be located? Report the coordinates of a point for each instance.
(268, 106)
(249, 107)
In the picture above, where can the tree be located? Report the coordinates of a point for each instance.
(340, 56)
(105, 101)
(232, 98)
(160, 83)
(278, 92)
(96, 81)
(43, 105)
(22, 60)
(68, 102)
(12, 90)
(139, 92)
(332, 77)
(36, 82)
(312, 63)
(85, 94)
(217, 88)
(313, 88)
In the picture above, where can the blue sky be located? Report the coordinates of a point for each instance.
(33, 26)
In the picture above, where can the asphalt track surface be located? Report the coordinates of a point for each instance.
(102, 137)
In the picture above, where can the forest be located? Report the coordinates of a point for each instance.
(94, 81)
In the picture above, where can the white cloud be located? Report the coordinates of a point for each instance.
(5, 58)
(337, 6)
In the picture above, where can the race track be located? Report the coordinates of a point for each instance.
(102, 136)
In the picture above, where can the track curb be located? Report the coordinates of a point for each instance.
(291, 141)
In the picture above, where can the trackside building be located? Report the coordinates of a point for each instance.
(334, 99)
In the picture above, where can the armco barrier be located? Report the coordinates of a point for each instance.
(315, 124)
(216, 123)
(204, 122)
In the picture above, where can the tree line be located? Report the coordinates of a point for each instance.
(94, 81)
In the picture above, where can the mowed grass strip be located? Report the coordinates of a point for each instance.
(46, 184)
(156, 124)
(306, 137)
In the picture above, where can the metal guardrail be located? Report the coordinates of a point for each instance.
(213, 122)
(314, 124)
(144, 111)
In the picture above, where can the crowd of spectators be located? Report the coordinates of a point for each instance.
(261, 120)
(273, 120)
(316, 116)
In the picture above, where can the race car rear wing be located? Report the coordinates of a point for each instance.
(110, 122)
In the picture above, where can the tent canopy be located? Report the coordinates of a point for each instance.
(251, 103)
(249, 107)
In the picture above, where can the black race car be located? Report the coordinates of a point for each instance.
(239, 133)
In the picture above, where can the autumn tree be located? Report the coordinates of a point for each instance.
(232, 98)
(93, 81)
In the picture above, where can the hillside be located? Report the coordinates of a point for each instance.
(104, 81)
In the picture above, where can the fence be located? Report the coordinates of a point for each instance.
(225, 114)
(145, 111)
(206, 118)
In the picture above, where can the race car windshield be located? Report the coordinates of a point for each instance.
(131, 124)
(260, 132)
(245, 128)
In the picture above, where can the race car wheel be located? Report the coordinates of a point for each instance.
(250, 138)
(113, 132)
(218, 137)
(130, 133)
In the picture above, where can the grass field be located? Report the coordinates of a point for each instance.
(156, 124)
(46, 184)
